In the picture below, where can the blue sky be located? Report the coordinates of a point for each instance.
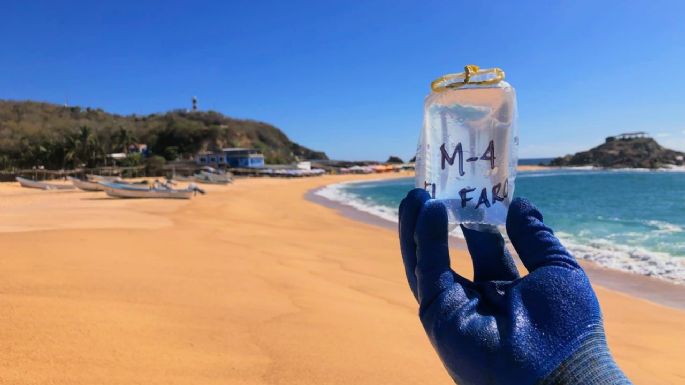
(349, 77)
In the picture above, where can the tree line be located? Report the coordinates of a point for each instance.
(46, 135)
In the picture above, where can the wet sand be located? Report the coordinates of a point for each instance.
(251, 284)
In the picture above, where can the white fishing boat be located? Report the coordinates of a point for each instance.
(180, 178)
(43, 185)
(86, 185)
(100, 178)
(207, 175)
(212, 176)
(116, 180)
(158, 190)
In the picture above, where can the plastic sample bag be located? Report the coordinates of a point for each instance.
(468, 149)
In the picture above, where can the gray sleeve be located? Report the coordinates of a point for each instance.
(590, 364)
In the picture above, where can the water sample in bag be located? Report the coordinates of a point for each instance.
(468, 149)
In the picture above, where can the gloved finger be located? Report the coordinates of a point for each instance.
(433, 272)
(409, 211)
(491, 259)
(534, 242)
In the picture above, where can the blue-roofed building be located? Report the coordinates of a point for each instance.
(232, 157)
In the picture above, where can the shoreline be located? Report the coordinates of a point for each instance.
(655, 290)
(365, 217)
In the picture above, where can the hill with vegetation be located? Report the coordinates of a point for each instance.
(624, 153)
(34, 134)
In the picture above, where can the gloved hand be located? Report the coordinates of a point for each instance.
(544, 328)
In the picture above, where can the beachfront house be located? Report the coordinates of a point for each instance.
(231, 157)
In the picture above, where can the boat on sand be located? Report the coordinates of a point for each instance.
(208, 175)
(86, 185)
(100, 178)
(212, 176)
(43, 185)
(113, 179)
(158, 190)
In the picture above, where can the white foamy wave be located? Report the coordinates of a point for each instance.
(673, 168)
(545, 173)
(580, 170)
(626, 258)
(603, 252)
(667, 168)
(664, 227)
(337, 193)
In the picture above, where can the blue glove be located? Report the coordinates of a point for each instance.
(544, 328)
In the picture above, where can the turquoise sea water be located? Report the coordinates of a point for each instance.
(627, 220)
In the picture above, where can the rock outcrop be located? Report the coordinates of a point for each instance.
(642, 152)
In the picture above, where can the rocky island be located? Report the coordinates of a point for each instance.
(628, 150)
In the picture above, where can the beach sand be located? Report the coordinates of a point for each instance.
(533, 167)
(250, 284)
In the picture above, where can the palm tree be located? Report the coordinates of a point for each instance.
(122, 139)
(83, 148)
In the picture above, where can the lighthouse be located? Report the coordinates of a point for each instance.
(194, 103)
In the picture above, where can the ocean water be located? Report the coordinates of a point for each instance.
(626, 220)
(534, 161)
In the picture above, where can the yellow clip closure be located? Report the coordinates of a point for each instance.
(463, 78)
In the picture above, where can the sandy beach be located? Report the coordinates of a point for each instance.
(250, 284)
